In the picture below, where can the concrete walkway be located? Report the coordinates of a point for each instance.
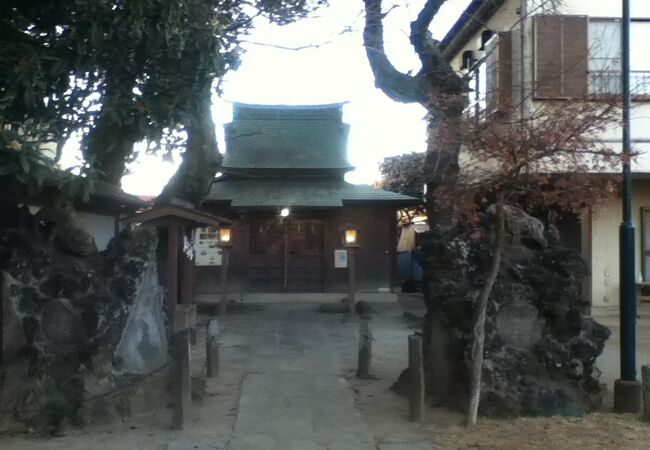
(293, 396)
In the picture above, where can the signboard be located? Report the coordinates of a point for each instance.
(206, 247)
(340, 259)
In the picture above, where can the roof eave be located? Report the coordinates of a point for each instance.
(400, 203)
(472, 19)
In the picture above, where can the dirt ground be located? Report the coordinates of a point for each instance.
(384, 413)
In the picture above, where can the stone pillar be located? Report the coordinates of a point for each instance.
(645, 378)
(416, 378)
(365, 348)
(212, 348)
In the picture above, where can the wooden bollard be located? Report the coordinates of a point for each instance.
(416, 378)
(212, 348)
(365, 347)
(645, 378)
(223, 284)
(352, 280)
(182, 388)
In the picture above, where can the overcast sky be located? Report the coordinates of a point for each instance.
(335, 71)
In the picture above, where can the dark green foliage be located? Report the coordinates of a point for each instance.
(404, 174)
(118, 72)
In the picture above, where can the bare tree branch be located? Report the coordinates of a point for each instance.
(434, 64)
(395, 84)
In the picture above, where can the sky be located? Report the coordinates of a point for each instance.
(334, 69)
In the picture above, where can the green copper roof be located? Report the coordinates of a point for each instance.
(299, 192)
(286, 137)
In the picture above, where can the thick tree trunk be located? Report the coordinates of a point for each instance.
(441, 163)
(109, 147)
(109, 144)
(481, 311)
(201, 159)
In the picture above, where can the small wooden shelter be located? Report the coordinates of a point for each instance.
(179, 218)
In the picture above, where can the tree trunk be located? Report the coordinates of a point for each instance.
(481, 311)
(201, 159)
(108, 147)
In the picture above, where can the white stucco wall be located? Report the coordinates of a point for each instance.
(605, 249)
(101, 227)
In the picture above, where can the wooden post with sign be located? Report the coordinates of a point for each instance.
(176, 215)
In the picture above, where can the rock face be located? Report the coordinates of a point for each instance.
(540, 345)
(77, 324)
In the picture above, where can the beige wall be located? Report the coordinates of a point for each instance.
(605, 249)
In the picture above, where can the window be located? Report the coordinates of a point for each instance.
(605, 57)
(485, 37)
(468, 60)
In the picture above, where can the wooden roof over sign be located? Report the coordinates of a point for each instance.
(164, 214)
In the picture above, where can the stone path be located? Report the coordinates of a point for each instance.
(286, 382)
(293, 396)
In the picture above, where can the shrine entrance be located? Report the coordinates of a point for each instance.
(286, 254)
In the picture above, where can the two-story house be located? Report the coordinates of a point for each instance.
(521, 53)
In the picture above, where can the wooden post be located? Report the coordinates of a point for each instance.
(187, 272)
(416, 376)
(212, 348)
(352, 280)
(172, 272)
(225, 263)
(181, 381)
(187, 266)
(365, 347)
(645, 378)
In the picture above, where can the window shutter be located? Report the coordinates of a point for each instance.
(561, 55)
(499, 71)
(505, 70)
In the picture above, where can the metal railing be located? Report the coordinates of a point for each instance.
(609, 82)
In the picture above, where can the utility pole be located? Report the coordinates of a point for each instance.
(627, 390)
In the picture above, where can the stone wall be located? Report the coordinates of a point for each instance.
(78, 324)
(541, 345)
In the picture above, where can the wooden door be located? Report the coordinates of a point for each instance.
(286, 254)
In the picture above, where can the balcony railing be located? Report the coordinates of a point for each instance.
(610, 82)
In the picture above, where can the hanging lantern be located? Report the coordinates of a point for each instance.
(225, 236)
(351, 237)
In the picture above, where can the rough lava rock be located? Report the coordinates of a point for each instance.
(76, 241)
(78, 324)
(541, 344)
